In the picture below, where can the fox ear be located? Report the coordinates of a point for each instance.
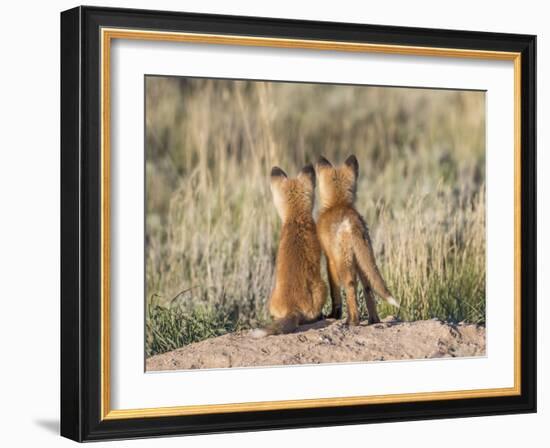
(307, 174)
(278, 174)
(323, 163)
(352, 163)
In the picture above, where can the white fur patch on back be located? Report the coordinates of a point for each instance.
(344, 228)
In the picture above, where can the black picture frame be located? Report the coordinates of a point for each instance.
(81, 224)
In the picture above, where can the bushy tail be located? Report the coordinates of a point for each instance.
(281, 326)
(364, 256)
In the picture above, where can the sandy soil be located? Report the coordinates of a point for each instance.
(329, 341)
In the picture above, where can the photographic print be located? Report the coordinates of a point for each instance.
(292, 223)
(344, 212)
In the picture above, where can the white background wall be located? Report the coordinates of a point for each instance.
(29, 219)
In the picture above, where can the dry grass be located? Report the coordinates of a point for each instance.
(211, 228)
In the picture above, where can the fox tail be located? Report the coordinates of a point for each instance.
(284, 325)
(364, 256)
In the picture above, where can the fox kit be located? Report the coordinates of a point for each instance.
(345, 241)
(300, 292)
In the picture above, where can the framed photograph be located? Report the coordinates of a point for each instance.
(273, 223)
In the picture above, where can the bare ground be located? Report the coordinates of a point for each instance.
(329, 341)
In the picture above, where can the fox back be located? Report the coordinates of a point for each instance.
(345, 240)
(299, 289)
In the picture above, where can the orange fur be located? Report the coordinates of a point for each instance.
(299, 293)
(346, 242)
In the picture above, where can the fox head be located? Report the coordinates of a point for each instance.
(293, 197)
(337, 185)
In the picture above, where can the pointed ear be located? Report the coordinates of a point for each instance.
(307, 175)
(352, 163)
(277, 174)
(323, 163)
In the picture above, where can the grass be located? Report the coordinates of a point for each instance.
(212, 230)
(173, 326)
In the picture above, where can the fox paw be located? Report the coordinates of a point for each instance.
(336, 313)
(374, 320)
(352, 322)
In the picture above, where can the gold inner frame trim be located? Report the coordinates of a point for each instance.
(107, 35)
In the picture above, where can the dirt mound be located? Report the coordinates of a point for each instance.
(329, 341)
